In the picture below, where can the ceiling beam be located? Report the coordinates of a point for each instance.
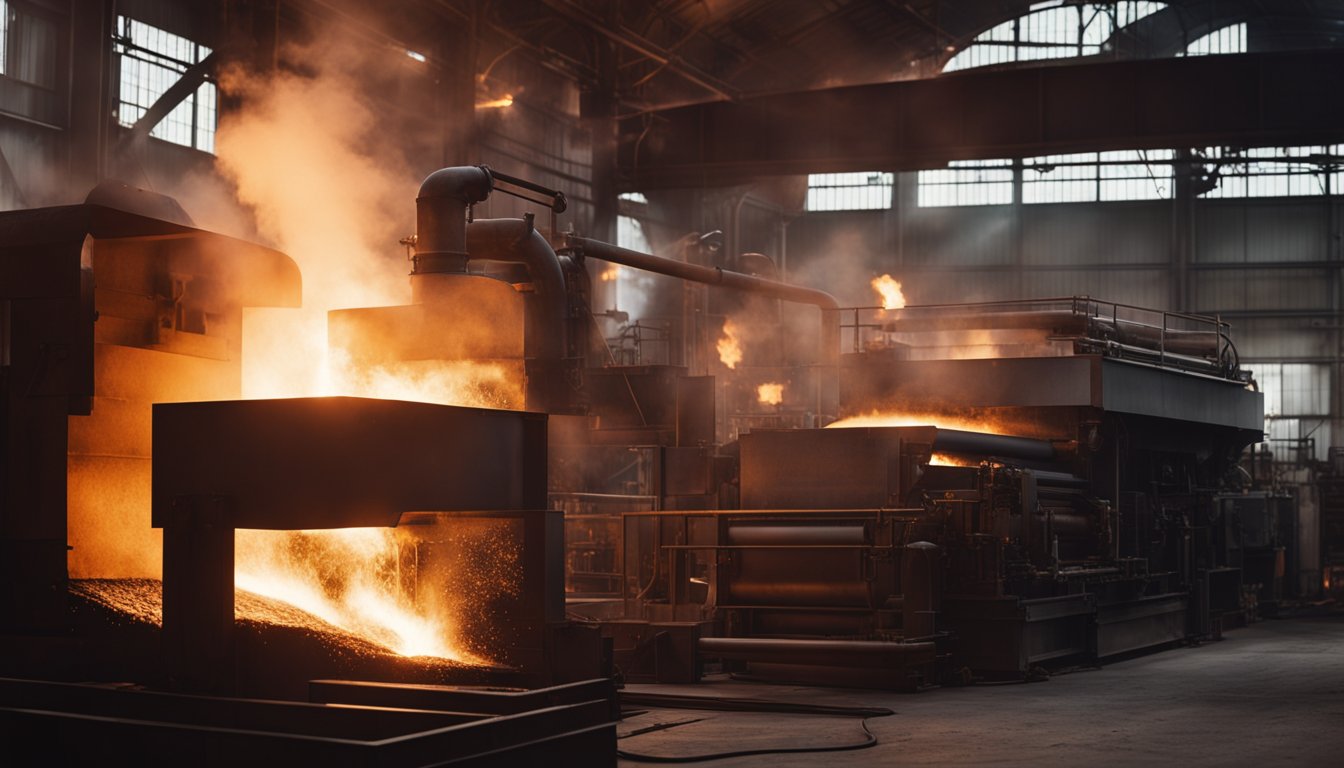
(1260, 99)
(634, 41)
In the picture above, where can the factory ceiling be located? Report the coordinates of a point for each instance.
(667, 53)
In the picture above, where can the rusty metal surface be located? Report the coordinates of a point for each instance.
(84, 725)
(50, 260)
(825, 468)
(340, 462)
(312, 463)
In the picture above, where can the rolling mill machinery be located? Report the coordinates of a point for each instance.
(973, 490)
(1046, 470)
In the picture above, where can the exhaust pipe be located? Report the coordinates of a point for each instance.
(445, 243)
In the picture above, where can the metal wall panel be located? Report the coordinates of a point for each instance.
(1262, 231)
(1284, 338)
(962, 236)
(951, 287)
(1262, 289)
(1110, 233)
(1145, 288)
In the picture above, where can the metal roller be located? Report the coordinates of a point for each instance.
(795, 575)
(795, 535)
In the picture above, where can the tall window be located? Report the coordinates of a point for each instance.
(1297, 403)
(31, 61)
(152, 60)
(1051, 30)
(849, 191)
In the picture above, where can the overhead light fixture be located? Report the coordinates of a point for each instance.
(420, 57)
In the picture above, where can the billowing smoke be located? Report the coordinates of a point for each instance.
(328, 186)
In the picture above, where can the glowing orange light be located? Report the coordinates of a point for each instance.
(730, 350)
(917, 419)
(948, 460)
(344, 577)
(770, 393)
(610, 273)
(504, 101)
(889, 289)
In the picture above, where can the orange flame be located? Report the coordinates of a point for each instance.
(504, 101)
(889, 290)
(917, 419)
(610, 273)
(446, 382)
(770, 393)
(730, 350)
(948, 460)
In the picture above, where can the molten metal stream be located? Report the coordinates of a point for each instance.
(349, 578)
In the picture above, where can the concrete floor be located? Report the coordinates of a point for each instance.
(1268, 694)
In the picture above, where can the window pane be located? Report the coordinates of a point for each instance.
(1060, 31)
(849, 191)
(152, 60)
(1229, 39)
(967, 182)
(28, 46)
(1270, 171)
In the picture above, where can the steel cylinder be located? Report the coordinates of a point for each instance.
(798, 566)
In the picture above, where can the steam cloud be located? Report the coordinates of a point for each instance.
(329, 188)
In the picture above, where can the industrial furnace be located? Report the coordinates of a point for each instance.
(962, 492)
(338, 539)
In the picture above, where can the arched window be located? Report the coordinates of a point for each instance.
(1051, 30)
(1229, 39)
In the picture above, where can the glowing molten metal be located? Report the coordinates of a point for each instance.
(348, 577)
(889, 290)
(770, 393)
(916, 419)
(730, 348)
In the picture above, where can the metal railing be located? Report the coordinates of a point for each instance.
(1062, 325)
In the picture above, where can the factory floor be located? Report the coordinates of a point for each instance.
(1268, 694)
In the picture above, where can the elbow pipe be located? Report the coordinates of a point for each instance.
(441, 217)
(829, 306)
(545, 337)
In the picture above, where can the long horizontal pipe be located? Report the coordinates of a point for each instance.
(830, 318)
(958, 441)
(701, 274)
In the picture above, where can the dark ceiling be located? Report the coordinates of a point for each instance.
(662, 53)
